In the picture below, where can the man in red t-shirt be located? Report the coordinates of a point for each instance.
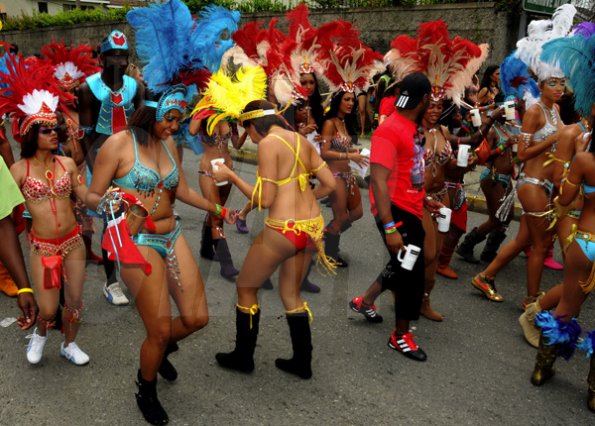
(397, 197)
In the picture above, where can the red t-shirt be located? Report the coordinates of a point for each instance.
(387, 106)
(394, 147)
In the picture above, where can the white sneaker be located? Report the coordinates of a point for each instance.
(114, 294)
(35, 347)
(74, 354)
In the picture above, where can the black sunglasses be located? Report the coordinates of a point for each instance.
(48, 130)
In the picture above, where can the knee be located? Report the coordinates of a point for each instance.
(160, 335)
(47, 314)
(195, 322)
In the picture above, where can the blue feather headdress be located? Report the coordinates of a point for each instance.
(212, 35)
(516, 81)
(576, 57)
(162, 31)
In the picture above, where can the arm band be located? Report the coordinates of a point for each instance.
(24, 290)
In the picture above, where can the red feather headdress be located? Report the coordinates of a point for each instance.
(350, 64)
(448, 64)
(71, 64)
(31, 95)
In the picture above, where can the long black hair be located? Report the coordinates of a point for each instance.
(29, 144)
(262, 125)
(315, 102)
(486, 81)
(350, 119)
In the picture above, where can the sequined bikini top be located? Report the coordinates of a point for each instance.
(216, 139)
(341, 143)
(36, 191)
(551, 124)
(440, 158)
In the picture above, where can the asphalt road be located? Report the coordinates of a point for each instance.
(477, 371)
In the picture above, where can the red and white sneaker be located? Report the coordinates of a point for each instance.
(406, 345)
(368, 311)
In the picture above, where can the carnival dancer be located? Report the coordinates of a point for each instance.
(72, 65)
(106, 100)
(47, 181)
(489, 88)
(540, 132)
(10, 249)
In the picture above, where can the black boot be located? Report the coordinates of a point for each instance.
(490, 251)
(301, 340)
(307, 285)
(267, 284)
(206, 243)
(147, 401)
(331, 248)
(228, 271)
(166, 369)
(544, 362)
(591, 382)
(242, 357)
(465, 249)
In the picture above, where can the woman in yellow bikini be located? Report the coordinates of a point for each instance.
(293, 231)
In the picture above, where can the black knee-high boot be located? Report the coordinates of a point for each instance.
(228, 271)
(206, 243)
(166, 369)
(242, 357)
(490, 250)
(301, 340)
(147, 401)
(591, 382)
(465, 249)
(331, 248)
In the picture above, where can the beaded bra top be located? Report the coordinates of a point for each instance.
(36, 191)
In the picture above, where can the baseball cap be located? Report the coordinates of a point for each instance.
(412, 90)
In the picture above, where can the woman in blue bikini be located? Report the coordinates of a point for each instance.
(142, 161)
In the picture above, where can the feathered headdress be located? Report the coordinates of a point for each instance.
(448, 64)
(516, 81)
(303, 46)
(31, 95)
(350, 63)
(71, 64)
(584, 29)
(538, 33)
(576, 57)
(228, 93)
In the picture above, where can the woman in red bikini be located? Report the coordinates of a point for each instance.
(293, 231)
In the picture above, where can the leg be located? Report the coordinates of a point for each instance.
(340, 220)
(430, 255)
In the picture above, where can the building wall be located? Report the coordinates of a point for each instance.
(478, 22)
(28, 7)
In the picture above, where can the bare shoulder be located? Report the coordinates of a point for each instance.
(117, 141)
(67, 162)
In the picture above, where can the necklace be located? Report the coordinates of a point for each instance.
(551, 111)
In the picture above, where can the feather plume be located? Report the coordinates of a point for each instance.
(584, 29)
(462, 79)
(516, 81)
(71, 63)
(162, 31)
(587, 344)
(576, 57)
(563, 334)
(227, 94)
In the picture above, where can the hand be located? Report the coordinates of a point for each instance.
(432, 205)
(221, 173)
(359, 159)
(231, 216)
(309, 128)
(318, 138)
(473, 159)
(27, 305)
(497, 113)
(394, 242)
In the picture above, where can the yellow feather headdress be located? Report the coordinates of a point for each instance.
(228, 93)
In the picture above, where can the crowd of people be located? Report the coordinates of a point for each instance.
(101, 142)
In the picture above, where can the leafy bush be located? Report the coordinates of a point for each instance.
(71, 17)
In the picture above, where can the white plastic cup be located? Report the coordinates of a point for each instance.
(463, 155)
(509, 111)
(515, 147)
(408, 256)
(443, 219)
(475, 117)
(215, 165)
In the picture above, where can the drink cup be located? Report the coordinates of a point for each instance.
(408, 256)
(509, 111)
(443, 219)
(515, 147)
(135, 218)
(475, 117)
(215, 165)
(463, 155)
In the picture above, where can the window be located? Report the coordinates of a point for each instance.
(42, 6)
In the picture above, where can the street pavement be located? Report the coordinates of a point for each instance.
(477, 371)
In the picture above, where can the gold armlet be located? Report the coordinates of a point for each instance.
(319, 168)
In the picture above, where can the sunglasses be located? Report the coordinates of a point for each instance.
(48, 130)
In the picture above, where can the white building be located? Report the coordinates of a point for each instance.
(15, 8)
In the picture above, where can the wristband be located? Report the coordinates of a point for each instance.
(389, 225)
(218, 210)
(390, 231)
(24, 290)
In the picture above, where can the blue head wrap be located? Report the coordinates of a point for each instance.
(173, 98)
(116, 40)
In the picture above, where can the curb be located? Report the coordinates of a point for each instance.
(475, 203)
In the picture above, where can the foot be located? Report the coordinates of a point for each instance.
(541, 375)
(301, 369)
(591, 399)
(368, 311)
(531, 299)
(429, 312)
(234, 361)
(341, 263)
(550, 262)
(241, 225)
(267, 285)
(229, 272)
(114, 294)
(74, 354)
(447, 272)
(149, 404)
(406, 345)
(35, 347)
(488, 256)
(8, 286)
(309, 287)
(530, 331)
(466, 256)
(166, 369)
(487, 286)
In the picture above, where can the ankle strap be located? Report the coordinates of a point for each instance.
(301, 309)
(252, 310)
